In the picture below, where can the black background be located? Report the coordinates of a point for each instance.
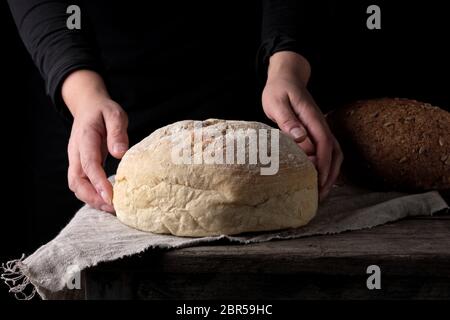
(408, 57)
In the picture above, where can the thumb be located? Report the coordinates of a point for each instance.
(116, 122)
(288, 122)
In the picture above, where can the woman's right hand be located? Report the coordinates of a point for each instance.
(99, 128)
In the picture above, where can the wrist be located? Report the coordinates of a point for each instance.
(289, 64)
(83, 89)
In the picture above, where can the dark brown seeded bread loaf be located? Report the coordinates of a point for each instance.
(395, 143)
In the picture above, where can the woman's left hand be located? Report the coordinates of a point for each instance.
(287, 102)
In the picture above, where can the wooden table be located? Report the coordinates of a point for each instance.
(413, 256)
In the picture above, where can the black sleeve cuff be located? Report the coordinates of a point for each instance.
(272, 45)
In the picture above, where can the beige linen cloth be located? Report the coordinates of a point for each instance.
(94, 236)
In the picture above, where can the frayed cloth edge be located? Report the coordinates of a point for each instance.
(13, 274)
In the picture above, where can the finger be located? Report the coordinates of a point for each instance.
(81, 186)
(91, 163)
(281, 112)
(322, 140)
(324, 157)
(313, 159)
(86, 193)
(308, 147)
(338, 158)
(319, 133)
(116, 123)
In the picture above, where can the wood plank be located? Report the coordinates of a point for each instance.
(123, 285)
(401, 248)
(414, 257)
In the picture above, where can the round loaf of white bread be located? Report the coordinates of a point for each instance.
(154, 194)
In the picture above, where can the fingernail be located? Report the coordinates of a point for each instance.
(298, 133)
(120, 148)
(105, 197)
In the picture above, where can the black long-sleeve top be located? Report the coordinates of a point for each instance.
(169, 60)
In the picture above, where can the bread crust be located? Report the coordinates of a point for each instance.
(396, 143)
(153, 194)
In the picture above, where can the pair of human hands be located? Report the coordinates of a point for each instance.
(100, 127)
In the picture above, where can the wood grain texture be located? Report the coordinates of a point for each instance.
(413, 254)
(225, 286)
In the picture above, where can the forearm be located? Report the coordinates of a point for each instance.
(55, 50)
(280, 32)
(281, 18)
